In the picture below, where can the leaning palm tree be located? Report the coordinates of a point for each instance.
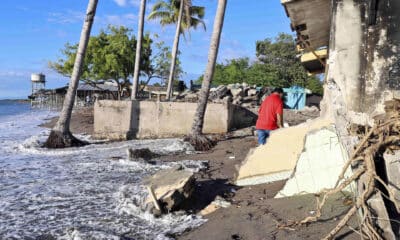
(196, 137)
(61, 136)
(185, 16)
(138, 49)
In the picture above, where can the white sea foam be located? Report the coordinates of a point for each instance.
(79, 193)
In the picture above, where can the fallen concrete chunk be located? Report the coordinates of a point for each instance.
(236, 92)
(252, 92)
(171, 187)
(218, 203)
(219, 93)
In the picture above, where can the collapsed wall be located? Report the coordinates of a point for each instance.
(362, 73)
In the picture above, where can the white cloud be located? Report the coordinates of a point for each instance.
(66, 17)
(119, 20)
(124, 3)
(121, 3)
(13, 73)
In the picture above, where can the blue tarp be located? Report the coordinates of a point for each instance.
(295, 97)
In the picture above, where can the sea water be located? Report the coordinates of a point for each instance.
(92, 192)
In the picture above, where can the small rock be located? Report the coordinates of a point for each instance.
(141, 154)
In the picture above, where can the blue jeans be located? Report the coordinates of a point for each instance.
(262, 136)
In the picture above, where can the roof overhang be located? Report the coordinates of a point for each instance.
(311, 21)
(314, 62)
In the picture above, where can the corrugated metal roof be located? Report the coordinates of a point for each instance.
(97, 87)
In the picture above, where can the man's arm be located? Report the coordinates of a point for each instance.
(279, 120)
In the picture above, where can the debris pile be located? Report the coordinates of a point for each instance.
(370, 176)
(241, 94)
(295, 117)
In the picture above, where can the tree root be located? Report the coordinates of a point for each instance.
(383, 137)
(200, 142)
(58, 139)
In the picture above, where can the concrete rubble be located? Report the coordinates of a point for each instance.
(171, 187)
(241, 94)
(218, 203)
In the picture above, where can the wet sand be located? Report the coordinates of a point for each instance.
(254, 214)
(81, 121)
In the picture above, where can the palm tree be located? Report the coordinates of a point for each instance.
(196, 138)
(185, 16)
(61, 136)
(138, 49)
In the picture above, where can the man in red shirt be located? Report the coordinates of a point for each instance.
(270, 115)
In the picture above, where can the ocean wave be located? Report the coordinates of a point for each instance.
(80, 193)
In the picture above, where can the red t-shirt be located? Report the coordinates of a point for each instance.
(271, 106)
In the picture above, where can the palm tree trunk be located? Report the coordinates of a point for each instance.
(175, 51)
(138, 49)
(195, 138)
(60, 136)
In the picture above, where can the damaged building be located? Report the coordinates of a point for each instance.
(356, 44)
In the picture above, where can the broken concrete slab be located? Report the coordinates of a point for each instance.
(277, 159)
(171, 187)
(319, 165)
(392, 164)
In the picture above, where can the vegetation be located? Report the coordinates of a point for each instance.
(160, 65)
(139, 45)
(110, 56)
(61, 136)
(196, 137)
(185, 16)
(277, 65)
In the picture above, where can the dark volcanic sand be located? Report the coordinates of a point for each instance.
(81, 121)
(254, 212)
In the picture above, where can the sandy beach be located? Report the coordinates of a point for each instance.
(253, 214)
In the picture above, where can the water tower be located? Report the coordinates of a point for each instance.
(38, 82)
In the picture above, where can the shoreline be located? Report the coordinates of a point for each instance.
(253, 214)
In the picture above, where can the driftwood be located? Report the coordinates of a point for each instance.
(384, 136)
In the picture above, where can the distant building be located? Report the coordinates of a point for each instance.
(86, 95)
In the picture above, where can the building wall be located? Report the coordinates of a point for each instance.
(120, 120)
(363, 66)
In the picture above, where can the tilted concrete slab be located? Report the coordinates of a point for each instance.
(392, 164)
(276, 160)
(319, 165)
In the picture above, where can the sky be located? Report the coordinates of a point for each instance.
(33, 32)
